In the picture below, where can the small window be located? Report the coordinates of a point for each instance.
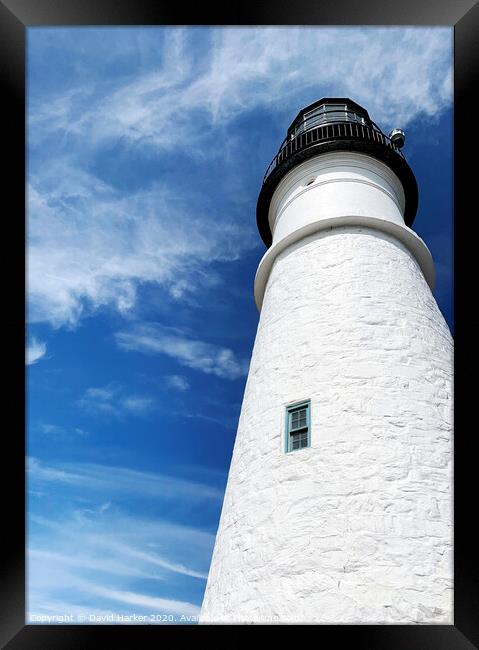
(298, 428)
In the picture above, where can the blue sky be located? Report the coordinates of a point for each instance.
(146, 152)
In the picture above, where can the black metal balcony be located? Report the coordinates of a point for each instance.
(311, 135)
(335, 124)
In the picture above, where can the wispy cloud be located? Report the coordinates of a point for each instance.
(90, 555)
(124, 562)
(54, 429)
(158, 561)
(41, 609)
(88, 560)
(92, 245)
(277, 65)
(177, 381)
(226, 421)
(113, 400)
(94, 569)
(205, 357)
(120, 480)
(150, 602)
(35, 351)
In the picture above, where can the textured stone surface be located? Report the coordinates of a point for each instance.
(357, 528)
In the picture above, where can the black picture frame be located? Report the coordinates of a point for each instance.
(15, 17)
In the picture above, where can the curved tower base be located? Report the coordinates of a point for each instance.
(356, 528)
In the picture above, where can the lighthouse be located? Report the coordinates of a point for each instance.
(338, 505)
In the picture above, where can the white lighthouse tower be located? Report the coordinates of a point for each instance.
(338, 502)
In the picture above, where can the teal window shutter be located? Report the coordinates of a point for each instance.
(298, 426)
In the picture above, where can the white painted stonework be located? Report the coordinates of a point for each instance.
(358, 527)
(338, 189)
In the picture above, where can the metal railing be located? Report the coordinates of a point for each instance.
(327, 114)
(337, 130)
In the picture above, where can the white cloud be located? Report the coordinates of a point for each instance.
(226, 421)
(91, 246)
(177, 381)
(137, 404)
(397, 73)
(120, 480)
(86, 560)
(54, 429)
(34, 352)
(62, 611)
(154, 559)
(60, 584)
(121, 561)
(40, 472)
(101, 556)
(150, 602)
(205, 357)
(51, 429)
(101, 394)
(112, 400)
(100, 526)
